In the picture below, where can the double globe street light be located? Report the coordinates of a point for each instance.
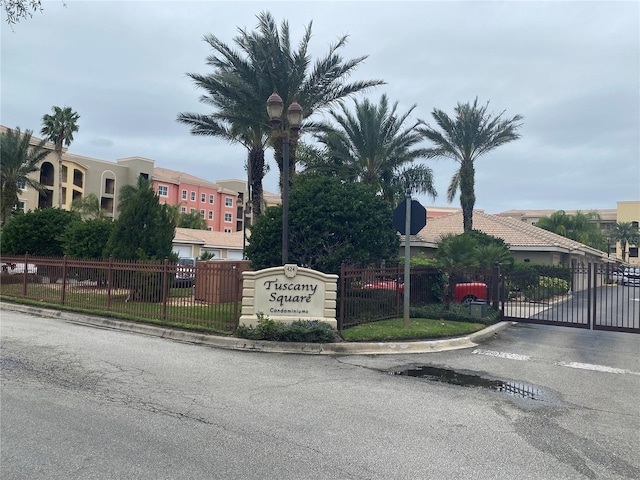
(288, 132)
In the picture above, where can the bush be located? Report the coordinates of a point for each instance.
(547, 287)
(307, 331)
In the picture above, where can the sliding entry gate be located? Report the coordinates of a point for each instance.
(583, 296)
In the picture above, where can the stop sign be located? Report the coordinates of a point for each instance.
(418, 217)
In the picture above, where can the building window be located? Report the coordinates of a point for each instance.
(183, 209)
(145, 176)
(202, 213)
(191, 210)
(109, 186)
(203, 197)
(633, 252)
(193, 196)
(210, 229)
(163, 191)
(184, 194)
(228, 202)
(21, 206)
(22, 184)
(634, 224)
(227, 230)
(211, 199)
(227, 217)
(210, 214)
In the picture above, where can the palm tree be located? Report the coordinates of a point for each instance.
(457, 256)
(581, 227)
(472, 133)
(59, 129)
(374, 146)
(243, 79)
(627, 234)
(17, 160)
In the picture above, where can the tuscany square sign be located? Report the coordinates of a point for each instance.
(287, 294)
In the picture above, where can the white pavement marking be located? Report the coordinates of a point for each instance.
(581, 366)
(596, 368)
(510, 356)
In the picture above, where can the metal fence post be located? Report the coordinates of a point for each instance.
(109, 282)
(165, 283)
(341, 293)
(24, 276)
(64, 278)
(495, 286)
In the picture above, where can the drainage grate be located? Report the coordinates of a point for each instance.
(445, 375)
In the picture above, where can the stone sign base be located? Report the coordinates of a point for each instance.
(287, 294)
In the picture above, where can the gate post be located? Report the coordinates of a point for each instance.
(495, 286)
(589, 293)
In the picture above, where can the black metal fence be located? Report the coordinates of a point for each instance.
(592, 296)
(206, 296)
(368, 295)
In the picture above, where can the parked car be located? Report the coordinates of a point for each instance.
(392, 285)
(464, 292)
(185, 273)
(617, 275)
(467, 292)
(18, 268)
(631, 276)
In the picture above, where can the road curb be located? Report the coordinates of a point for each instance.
(241, 344)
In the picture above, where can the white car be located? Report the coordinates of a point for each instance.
(18, 268)
(631, 276)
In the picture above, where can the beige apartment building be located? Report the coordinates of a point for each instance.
(626, 211)
(80, 176)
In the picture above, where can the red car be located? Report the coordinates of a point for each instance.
(465, 292)
(468, 292)
(385, 285)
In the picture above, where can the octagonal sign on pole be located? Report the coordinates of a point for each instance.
(418, 216)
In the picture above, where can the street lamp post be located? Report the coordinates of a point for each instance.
(288, 133)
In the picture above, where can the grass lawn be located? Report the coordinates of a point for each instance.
(419, 329)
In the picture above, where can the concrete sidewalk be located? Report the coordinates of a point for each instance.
(235, 343)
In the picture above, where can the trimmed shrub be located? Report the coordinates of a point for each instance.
(306, 331)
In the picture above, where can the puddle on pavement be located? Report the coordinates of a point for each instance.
(445, 375)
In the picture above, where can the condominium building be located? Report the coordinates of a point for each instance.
(78, 177)
(222, 208)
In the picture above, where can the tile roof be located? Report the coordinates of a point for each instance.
(514, 232)
(174, 176)
(208, 238)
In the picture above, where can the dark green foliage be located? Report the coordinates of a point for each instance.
(144, 230)
(309, 331)
(330, 222)
(581, 227)
(377, 145)
(37, 232)
(87, 239)
(525, 280)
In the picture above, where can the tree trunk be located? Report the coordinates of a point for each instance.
(467, 194)
(59, 180)
(256, 174)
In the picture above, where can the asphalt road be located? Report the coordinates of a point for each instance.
(82, 402)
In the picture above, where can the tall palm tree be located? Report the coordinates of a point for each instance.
(626, 233)
(374, 146)
(470, 134)
(17, 160)
(59, 129)
(243, 79)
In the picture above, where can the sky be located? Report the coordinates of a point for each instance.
(571, 69)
